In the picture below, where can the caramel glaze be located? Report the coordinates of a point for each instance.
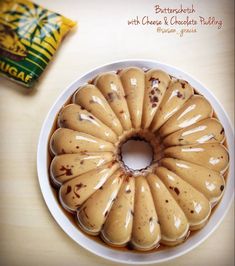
(72, 217)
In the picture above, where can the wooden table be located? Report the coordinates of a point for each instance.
(28, 233)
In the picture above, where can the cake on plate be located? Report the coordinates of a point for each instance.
(144, 208)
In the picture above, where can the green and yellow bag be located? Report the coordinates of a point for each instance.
(29, 37)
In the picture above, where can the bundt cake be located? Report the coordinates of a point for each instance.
(141, 208)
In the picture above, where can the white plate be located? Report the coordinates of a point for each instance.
(73, 231)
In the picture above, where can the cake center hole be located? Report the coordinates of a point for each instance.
(136, 154)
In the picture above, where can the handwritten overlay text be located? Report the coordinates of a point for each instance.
(179, 20)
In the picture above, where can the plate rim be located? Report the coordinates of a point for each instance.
(69, 228)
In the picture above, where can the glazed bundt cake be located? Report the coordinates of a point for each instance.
(144, 208)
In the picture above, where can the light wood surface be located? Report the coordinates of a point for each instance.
(28, 233)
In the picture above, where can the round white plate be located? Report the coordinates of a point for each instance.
(73, 231)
